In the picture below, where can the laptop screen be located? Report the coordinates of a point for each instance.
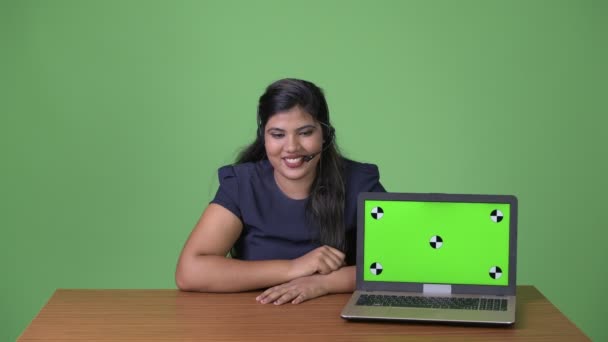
(436, 242)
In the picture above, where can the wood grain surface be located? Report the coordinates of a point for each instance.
(171, 315)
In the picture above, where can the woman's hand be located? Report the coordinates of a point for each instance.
(322, 260)
(295, 291)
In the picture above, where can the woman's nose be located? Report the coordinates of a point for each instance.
(292, 143)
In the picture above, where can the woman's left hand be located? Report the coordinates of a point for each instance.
(295, 291)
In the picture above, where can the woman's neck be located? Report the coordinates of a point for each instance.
(296, 189)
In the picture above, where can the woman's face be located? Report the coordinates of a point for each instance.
(290, 136)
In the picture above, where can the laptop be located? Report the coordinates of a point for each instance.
(435, 258)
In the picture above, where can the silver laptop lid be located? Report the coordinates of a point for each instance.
(412, 241)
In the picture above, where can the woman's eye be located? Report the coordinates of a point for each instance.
(277, 135)
(306, 133)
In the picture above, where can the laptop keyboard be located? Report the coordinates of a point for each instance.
(434, 302)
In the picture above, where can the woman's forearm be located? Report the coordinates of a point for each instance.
(341, 281)
(212, 273)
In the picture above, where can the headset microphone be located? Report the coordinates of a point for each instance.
(330, 140)
(309, 157)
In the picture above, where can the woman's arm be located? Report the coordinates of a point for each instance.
(309, 287)
(203, 265)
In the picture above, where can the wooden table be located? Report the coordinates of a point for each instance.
(154, 315)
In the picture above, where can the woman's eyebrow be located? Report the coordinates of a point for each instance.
(306, 127)
(297, 129)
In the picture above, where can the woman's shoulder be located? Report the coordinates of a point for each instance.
(352, 167)
(243, 171)
(361, 177)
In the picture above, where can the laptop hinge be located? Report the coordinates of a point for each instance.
(437, 289)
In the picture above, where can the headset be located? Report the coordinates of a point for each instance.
(331, 133)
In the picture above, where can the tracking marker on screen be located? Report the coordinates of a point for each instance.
(495, 272)
(377, 213)
(496, 215)
(375, 268)
(436, 242)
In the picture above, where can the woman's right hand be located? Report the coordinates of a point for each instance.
(322, 260)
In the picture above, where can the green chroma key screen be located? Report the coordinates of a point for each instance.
(437, 242)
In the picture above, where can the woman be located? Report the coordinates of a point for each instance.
(286, 210)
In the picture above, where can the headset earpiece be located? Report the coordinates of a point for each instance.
(329, 137)
(260, 129)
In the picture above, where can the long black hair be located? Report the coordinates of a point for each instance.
(325, 206)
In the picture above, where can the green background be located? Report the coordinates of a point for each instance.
(472, 242)
(115, 116)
